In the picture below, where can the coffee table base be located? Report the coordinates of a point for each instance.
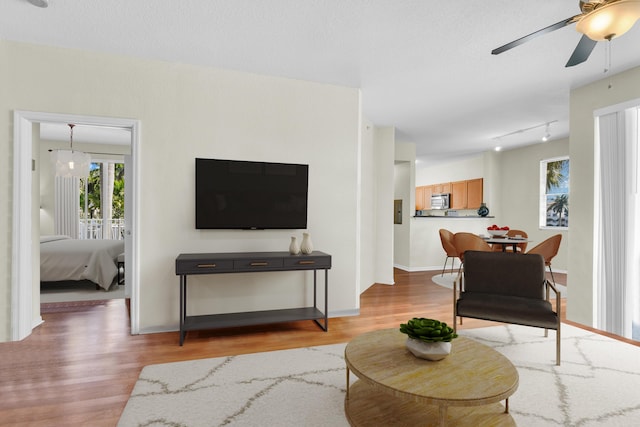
(366, 406)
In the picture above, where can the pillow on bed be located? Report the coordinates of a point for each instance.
(45, 239)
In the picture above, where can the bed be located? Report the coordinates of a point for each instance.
(65, 259)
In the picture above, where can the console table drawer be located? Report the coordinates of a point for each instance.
(203, 266)
(308, 262)
(257, 264)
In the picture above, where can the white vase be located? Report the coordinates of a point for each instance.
(306, 247)
(294, 249)
(428, 350)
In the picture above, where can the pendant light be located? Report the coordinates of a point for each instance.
(71, 163)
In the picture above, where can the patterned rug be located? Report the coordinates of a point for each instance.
(69, 306)
(597, 384)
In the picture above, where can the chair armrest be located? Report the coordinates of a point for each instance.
(549, 285)
(457, 284)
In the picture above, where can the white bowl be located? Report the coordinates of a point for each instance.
(498, 233)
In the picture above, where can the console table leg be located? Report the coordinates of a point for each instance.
(506, 406)
(183, 306)
(326, 300)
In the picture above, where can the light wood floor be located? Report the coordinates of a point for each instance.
(78, 368)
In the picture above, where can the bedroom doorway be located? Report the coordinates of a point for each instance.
(25, 290)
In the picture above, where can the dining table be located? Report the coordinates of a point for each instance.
(506, 241)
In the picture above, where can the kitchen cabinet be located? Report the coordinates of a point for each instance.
(466, 194)
(443, 188)
(423, 197)
(458, 195)
(475, 195)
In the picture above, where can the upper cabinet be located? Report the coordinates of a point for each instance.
(475, 196)
(441, 188)
(458, 198)
(423, 197)
(464, 194)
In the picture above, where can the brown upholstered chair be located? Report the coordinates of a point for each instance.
(548, 249)
(446, 237)
(509, 288)
(520, 247)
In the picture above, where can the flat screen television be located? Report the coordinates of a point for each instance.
(234, 194)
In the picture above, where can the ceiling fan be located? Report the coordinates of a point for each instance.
(600, 20)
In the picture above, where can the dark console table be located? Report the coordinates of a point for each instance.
(243, 262)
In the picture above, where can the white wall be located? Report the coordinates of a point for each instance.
(519, 193)
(612, 90)
(187, 112)
(384, 142)
(404, 185)
(459, 170)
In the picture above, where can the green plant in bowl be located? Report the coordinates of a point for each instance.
(428, 330)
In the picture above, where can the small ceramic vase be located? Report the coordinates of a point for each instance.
(306, 247)
(294, 249)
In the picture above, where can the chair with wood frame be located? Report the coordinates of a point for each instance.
(446, 238)
(508, 288)
(548, 249)
(464, 241)
(520, 247)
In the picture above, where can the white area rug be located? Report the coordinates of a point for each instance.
(446, 281)
(597, 384)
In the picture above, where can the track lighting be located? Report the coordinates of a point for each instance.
(547, 135)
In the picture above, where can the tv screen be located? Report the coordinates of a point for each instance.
(233, 194)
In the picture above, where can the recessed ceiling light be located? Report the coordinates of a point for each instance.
(39, 3)
(498, 148)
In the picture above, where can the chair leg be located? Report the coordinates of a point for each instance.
(558, 346)
(445, 265)
(552, 278)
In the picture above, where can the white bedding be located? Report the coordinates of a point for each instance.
(63, 258)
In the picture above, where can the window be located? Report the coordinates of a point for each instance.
(554, 193)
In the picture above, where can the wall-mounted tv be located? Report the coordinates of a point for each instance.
(235, 194)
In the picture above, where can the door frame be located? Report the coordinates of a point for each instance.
(22, 287)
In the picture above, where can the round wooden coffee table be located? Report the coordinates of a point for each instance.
(397, 388)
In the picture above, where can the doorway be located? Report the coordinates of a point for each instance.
(23, 287)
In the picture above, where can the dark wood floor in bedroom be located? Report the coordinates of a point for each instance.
(79, 367)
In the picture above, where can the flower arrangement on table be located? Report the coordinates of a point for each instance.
(428, 338)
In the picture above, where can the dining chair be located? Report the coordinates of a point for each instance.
(464, 241)
(520, 247)
(548, 249)
(446, 238)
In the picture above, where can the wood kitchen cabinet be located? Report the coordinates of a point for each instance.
(458, 198)
(466, 194)
(423, 197)
(474, 193)
(441, 188)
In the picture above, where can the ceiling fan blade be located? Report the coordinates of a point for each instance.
(533, 35)
(582, 51)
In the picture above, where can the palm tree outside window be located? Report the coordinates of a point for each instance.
(554, 192)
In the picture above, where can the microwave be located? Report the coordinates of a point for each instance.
(440, 201)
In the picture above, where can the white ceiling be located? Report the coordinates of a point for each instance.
(424, 66)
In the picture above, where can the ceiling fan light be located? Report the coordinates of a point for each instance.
(609, 21)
